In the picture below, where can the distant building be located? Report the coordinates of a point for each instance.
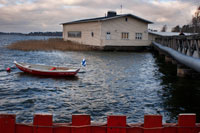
(111, 31)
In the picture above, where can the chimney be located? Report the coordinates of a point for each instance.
(111, 13)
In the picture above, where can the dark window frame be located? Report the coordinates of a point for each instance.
(138, 36)
(74, 34)
(125, 35)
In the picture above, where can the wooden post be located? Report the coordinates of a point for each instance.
(182, 71)
(186, 123)
(153, 124)
(81, 120)
(176, 44)
(168, 59)
(197, 48)
(116, 124)
(43, 123)
(7, 123)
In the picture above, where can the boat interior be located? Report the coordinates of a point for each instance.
(43, 67)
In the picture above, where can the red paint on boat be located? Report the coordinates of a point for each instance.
(46, 73)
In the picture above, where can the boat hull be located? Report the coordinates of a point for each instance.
(46, 73)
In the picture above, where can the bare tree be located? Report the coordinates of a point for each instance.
(196, 20)
(194, 26)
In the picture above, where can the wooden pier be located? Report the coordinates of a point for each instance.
(182, 50)
(187, 45)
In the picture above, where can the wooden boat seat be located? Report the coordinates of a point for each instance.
(28, 66)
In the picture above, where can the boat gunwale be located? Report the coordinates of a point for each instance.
(51, 71)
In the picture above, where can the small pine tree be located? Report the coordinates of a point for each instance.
(176, 29)
(164, 28)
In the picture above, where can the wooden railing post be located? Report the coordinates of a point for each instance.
(153, 124)
(81, 120)
(43, 123)
(7, 123)
(197, 48)
(116, 124)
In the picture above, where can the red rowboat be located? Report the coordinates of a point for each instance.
(46, 70)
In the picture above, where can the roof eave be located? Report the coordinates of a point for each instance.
(80, 22)
(149, 22)
(141, 19)
(108, 18)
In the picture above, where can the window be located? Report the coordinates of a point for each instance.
(92, 34)
(126, 19)
(75, 34)
(125, 35)
(138, 36)
(108, 35)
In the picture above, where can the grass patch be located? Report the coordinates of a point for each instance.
(50, 45)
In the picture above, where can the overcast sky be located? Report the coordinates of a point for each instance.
(46, 15)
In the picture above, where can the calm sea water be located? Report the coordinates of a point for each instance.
(120, 83)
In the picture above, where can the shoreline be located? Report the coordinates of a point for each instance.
(50, 45)
(61, 45)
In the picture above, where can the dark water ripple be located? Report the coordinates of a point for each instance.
(131, 84)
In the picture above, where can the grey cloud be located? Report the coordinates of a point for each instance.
(46, 15)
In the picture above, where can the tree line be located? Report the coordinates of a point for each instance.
(33, 33)
(193, 27)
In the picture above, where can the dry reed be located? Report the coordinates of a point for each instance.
(50, 45)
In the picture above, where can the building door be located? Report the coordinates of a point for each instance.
(108, 36)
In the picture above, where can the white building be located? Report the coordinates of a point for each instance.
(111, 31)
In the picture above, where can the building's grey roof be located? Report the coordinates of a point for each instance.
(107, 18)
(169, 33)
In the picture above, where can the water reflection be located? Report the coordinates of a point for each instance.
(179, 95)
(131, 84)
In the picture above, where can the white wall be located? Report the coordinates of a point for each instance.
(115, 27)
(86, 30)
(119, 25)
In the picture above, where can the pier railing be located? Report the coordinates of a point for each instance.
(43, 123)
(185, 50)
(188, 45)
